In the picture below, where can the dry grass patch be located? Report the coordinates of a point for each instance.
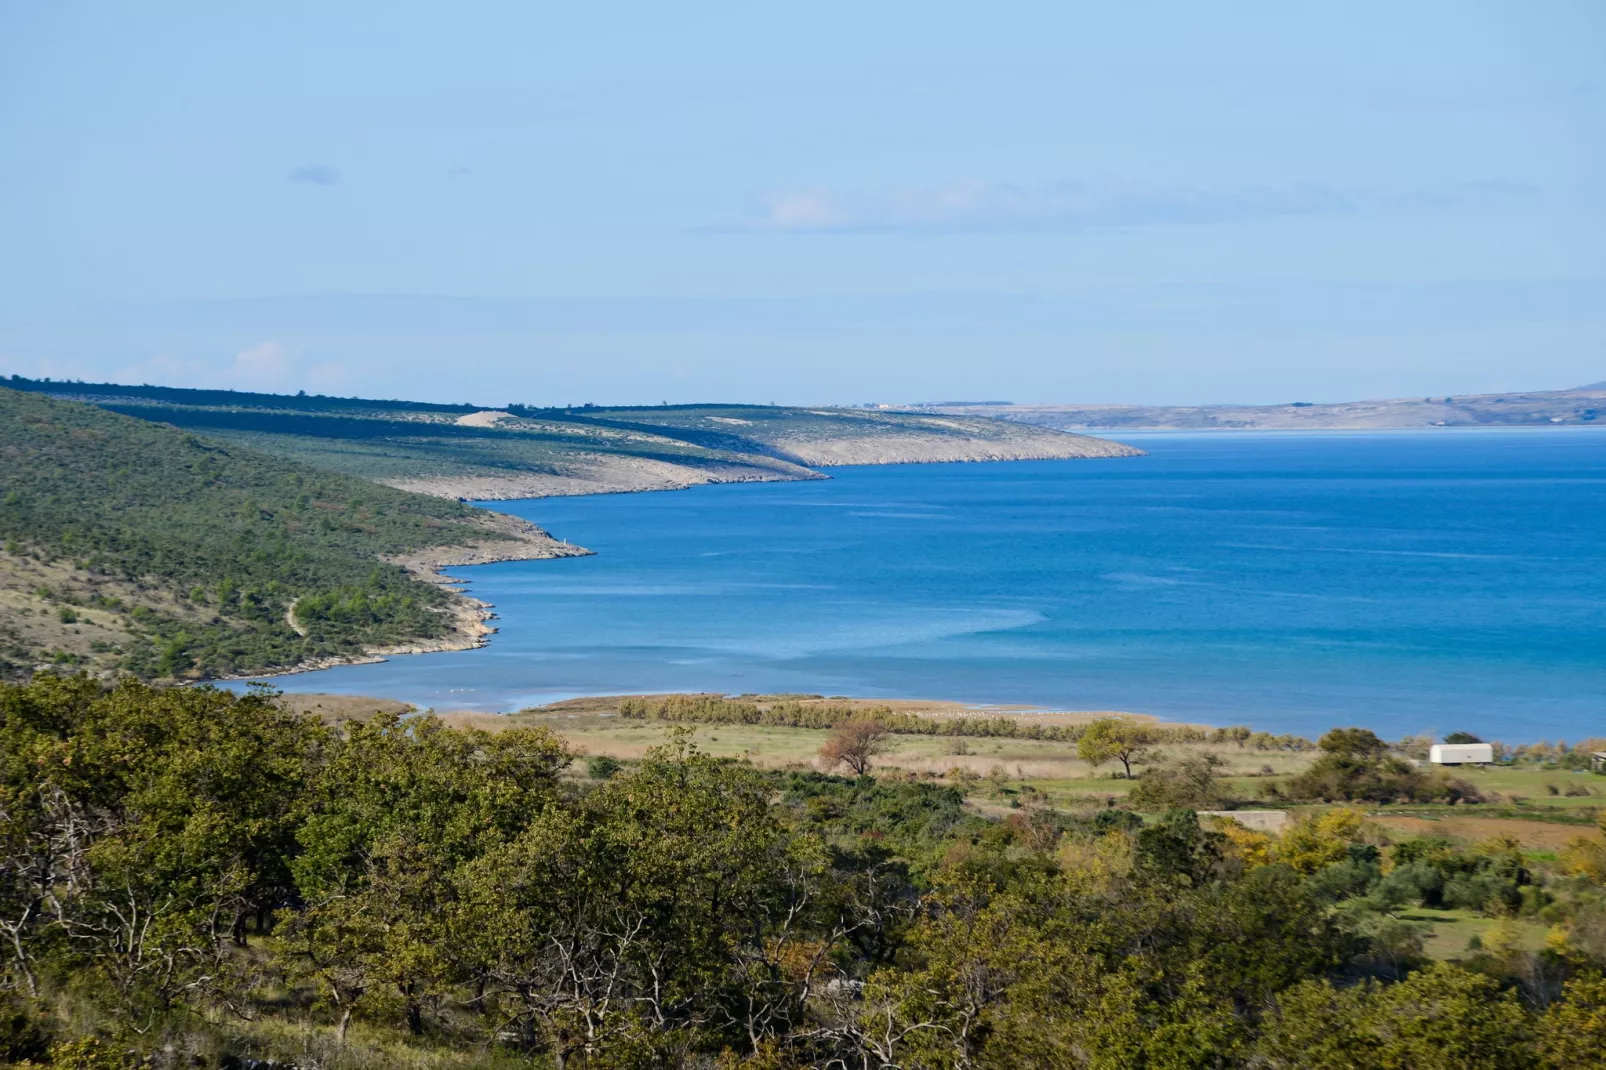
(1535, 835)
(47, 607)
(335, 709)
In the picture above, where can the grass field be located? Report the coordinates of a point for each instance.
(994, 771)
(1451, 931)
(1549, 787)
(1050, 767)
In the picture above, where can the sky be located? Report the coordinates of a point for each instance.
(1157, 203)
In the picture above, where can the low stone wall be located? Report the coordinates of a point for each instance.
(1259, 820)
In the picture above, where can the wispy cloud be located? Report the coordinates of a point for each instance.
(269, 366)
(314, 174)
(975, 206)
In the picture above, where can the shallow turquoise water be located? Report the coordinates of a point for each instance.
(1409, 582)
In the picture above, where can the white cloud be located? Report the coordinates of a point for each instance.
(162, 370)
(268, 366)
(43, 368)
(327, 378)
(1075, 205)
(814, 209)
(265, 365)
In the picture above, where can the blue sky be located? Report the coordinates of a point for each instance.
(551, 204)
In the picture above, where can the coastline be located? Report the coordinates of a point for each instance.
(609, 705)
(632, 478)
(793, 460)
(511, 539)
(470, 630)
(1579, 406)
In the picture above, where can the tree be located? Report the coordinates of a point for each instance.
(1356, 743)
(1573, 1030)
(1115, 737)
(1314, 1026)
(1356, 766)
(1176, 848)
(1440, 1018)
(396, 810)
(646, 911)
(141, 828)
(1462, 737)
(1190, 783)
(1319, 840)
(1448, 1018)
(854, 744)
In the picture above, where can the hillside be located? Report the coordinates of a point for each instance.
(1581, 405)
(459, 451)
(138, 547)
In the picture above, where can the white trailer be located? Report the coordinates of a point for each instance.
(1461, 753)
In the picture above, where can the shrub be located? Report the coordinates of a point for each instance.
(1356, 766)
(1191, 783)
(602, 767)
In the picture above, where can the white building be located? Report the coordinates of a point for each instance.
(1461, 753)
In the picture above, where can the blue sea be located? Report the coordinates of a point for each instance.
(1409, 582)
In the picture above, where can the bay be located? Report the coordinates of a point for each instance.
(1408, 582)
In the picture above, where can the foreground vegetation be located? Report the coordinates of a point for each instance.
(136, 547)
(188, 877)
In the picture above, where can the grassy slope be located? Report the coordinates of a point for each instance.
(181, 556)
(532, 452)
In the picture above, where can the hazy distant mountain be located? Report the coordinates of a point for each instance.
(1581, 405)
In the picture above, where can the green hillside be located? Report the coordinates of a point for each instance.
(135, 546)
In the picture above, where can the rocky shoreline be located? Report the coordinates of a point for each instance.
(792, 459)
(622, 476)
(508, 538)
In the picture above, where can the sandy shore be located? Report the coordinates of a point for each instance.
(937, 709)
(344, 707)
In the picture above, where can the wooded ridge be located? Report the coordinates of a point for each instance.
(138, 547)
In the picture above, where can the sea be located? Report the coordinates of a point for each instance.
(1407, 582)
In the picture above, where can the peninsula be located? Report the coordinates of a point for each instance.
(476, 453)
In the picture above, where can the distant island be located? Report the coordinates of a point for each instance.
(1580, 405)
